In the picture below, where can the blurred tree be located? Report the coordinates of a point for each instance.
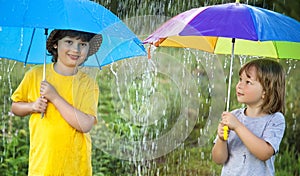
(128, 8)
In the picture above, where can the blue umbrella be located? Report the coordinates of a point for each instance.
(25, 24)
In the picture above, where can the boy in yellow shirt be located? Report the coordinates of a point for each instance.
(59, 142)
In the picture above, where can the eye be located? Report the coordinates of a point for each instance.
(69, 42)
(83, 44)
(248, 82)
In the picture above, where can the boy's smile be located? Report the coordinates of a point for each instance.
(72, 51)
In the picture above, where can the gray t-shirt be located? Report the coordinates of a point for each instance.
(240, 161)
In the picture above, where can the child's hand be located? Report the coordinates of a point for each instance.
(48, 91)
(230, 120)
(40, 105)
(221, 131)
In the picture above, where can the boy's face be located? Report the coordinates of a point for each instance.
(249, 90)
(72, 51)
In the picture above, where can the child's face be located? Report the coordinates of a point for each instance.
(72, 51)
(249, 90)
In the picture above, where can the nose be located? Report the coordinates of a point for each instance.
(76, 47)
(239, 85)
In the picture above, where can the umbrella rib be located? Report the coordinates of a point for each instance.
(276, 49)
(98, 62)
(215, 45)
(28, 51)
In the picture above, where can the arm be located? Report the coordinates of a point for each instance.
(21, 105)
(220, 150)
(257, 146)
(24, 108)
(77, 119)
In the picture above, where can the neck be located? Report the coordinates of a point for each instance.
(65, 71)
(254, 112)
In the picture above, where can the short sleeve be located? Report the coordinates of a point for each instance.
(20, 94)
(274, 131)
(91, 100)
(87, 95)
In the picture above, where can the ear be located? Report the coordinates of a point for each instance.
(55, 46)
(263, 94)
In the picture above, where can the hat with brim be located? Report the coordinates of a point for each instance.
(94, 43)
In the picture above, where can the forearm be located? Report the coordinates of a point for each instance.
(220, 152)
(77, 119)
(21, 108)
(257, 146)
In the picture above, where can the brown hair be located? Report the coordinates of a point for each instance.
(271, 76)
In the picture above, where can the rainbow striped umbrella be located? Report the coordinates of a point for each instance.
(232, 28)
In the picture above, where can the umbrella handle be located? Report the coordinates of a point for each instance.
(42, 114)
(225, 133)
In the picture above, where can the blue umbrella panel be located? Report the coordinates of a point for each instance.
(28, 45)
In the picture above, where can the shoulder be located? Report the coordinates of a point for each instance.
(35, 68)
(33, 72)
(84, 76)
(278, 117)
(238, 112)
(86, 79)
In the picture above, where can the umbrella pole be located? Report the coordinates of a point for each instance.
(45, 56)
(44, 66)
(230, 75)
(225, 128)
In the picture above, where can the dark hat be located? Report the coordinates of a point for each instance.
(94, 43)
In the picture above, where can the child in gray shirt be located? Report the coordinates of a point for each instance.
(257, 130)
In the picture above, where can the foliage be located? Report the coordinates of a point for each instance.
(14, 146)
(106, 165)
(287, 162)
(173, 7)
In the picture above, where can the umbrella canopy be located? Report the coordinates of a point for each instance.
(256, 31)
(232, 28)
(23, 24)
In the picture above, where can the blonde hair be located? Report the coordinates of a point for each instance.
(271, 76)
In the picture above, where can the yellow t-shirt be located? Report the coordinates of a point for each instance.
(56, 148)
